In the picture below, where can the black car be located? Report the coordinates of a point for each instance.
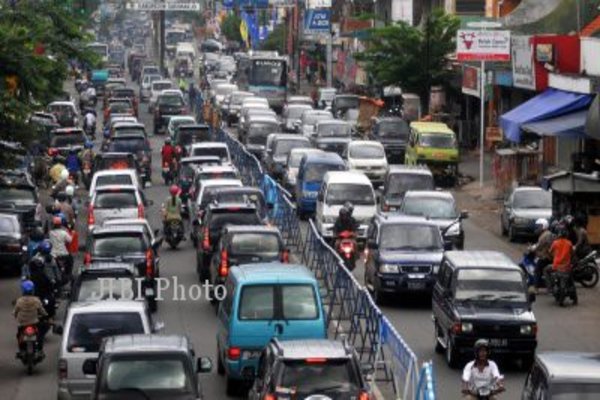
(344, 102)
(114, 160)
(483, 294)
(332, 135)
(246, 244)
(105, 281)
(167, 105)
(278, 149)
(208, 232)
(65, 140)
(187, 134)
(392, 133)
(13, 243)
(313, 368)
(127, 244)
(399, 179)
(404, 256)
(139, 146)
(19, 196)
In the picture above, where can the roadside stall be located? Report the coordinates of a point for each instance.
(513, 166)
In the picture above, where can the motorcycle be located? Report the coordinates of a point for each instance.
(528, 265)
(174, 233)
(86, 173)
(90, 130)
(346, 248)
(585, 271)
(563, 286)
(29, 347)
(169, 172)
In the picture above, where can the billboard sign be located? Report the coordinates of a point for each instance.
(471, 80)
(317, 21)
(522, 62)
(482, 45)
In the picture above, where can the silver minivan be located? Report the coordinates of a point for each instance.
(115, 201)
(86, 325)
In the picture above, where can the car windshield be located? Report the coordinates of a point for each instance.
(95, 289)
(366, 151)
(128, 145)
(220, 152)
(120, 108)
(490, 284)
(327, 376)
(532, 199)
(116, 179)
(114, 245)
(430, 207)
(333, 130)
(357, 194)
(11, 194)
(410, 237)
(7, 225)
(233, 217)
(398, 184)
(159, 373)
(258, 129)
(316, 172)
(61, 109)
(238, 99)
(283, 147)
(397, 129)
(67, 140)
(170, 101)
(125, 199)
(88, 329)
(255, 243)
(224, 90)
(575, 391)
(438, 141)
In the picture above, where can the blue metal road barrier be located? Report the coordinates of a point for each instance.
(351, 312)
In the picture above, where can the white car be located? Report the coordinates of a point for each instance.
(115, 201)
(146, 87)
(218, 149)
(156, 88)
(150, 234)
(177, 120)
(114, 177)
(368, 157)
(291, 115)
(222, 90)
(308, 120)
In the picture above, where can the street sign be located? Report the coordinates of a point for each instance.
(317, 21)
(480, 45)
(162, 6)
(319, 4)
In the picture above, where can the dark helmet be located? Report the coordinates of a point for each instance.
(479, 344)
(563, 232)
(27, 287)
(348, 206)
(36, 263)
(61, 196)
(344, 212)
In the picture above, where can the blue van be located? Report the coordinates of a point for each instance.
(311, 171)
(264, 301)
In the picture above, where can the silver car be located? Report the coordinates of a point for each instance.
(115, 201)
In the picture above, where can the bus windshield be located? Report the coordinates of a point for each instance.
(268, 72)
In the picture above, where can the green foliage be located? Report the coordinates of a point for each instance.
(413, 58)
(31, 25)
(231, 28)
(276, 40)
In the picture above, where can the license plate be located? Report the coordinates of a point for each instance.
(149, 292)
(498, 342)
(416, 285)
(246, 355)
(30, 338)
(416, 276)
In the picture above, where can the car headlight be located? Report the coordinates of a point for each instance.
(389, 269)
(436, 268)
(454, 230)
(529, 329)
(466, 327)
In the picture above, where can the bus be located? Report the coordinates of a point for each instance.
(173, 37)
(266, 76)
(101, 49)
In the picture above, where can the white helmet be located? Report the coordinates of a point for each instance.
(64, 174)
(542, 224)
(70, 190)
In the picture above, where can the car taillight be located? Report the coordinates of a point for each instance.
(233, 353)
(347, 248)
(52, 152)
(363, 395)
(178, 150)
(140, 211)
(285, 256)
(91, 218)
(457, 328)
(87, 258)
(224, 266)
(269, 396)
(29, 330)
(149, 264)
(206, 239)
(63, 369)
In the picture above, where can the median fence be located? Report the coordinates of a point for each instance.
(351, 313)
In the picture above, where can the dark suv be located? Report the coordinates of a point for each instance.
(166, 106)
(399, 179)
(404, 255)
(139, 146)
(392, 133)
(19, 196)
(300, 369)
(246, 244)
(483, 294)
(147, 367)
(209, 231)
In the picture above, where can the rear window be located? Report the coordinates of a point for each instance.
(211, 151)
(259, 302)
(88, 330)
(161, 86)
(283, 147)
(397, 129)
(320, 375)
(252, 243)
(221, 218)
(113, 245)
(239, 197)
(74, 139)
(170, 101)
(113, 180)
(217, 175)
(94, 289)
(398, 184)
(129, 131)
(129, 145)
(115, 200)
(153, 374)
(299, 302)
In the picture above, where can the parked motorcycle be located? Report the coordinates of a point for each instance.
(347, 248)
(174, 233)
(585, 271)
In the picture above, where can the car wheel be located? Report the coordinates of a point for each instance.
(152, 304)
(527, 361)
(512, 235)
(220, 366)
(436, 337)
(451, 354)
(503, 229)
(232, 387)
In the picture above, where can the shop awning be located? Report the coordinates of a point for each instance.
(570, 126)
(549, 104)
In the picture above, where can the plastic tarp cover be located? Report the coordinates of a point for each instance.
(568, 126)
(549, 104)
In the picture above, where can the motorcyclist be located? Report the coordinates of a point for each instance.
(171, 208)
(542, 249)
(35, 239)
(87, 154)
(50, 268)
(182, 85)
(61, 178)
(562, 256)
(89, 121)
(44, 286)
(345, 221)
(481, 373)
(63, 206)
(60, 240)
(581, 246)
(29, 309)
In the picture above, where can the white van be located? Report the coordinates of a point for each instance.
(186, 50)
(339, 187)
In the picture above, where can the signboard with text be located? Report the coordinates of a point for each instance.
(471, 81)
(482, 45)
(163, 6)
(319, 4)
(317, 21)
(523, 69)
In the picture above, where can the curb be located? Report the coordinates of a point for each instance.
(377, 395)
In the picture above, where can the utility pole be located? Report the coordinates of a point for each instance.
(330, 59)
(162, 44)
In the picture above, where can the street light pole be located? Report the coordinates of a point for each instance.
(162, 41)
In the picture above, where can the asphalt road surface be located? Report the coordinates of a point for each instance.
(559, 328)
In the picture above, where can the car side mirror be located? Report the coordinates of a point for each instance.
(90, 366)
(158, 326)
(464, 214)
(203, 365)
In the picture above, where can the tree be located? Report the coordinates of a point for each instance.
(38, 38)
(230, 27)
(413, 58)
(276, 40)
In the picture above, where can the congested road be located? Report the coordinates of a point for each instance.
(559, 328)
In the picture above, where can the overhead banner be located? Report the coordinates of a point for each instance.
(481, 45)
(522, 62)
(319, 4)
(166, 6)
(317, 21)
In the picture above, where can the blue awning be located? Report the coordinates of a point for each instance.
(549, 104)
(570, 126)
